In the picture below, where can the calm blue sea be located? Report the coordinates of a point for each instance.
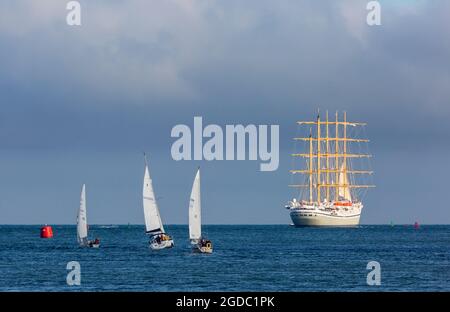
(246, 258)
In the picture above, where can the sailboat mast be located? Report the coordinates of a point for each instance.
(336, 160)
(344, 166)
(328, 162)
(318, 158)
(310, 167)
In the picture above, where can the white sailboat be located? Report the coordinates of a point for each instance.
(153, 225)
(195, 219)
(82, 227)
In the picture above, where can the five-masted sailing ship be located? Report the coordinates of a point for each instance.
(328, 193)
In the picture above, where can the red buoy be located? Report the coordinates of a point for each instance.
(46, 231)
(416, 225)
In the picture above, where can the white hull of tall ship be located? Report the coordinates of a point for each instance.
(326, 214)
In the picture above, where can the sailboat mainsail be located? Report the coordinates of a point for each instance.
(153, 222)
(344, 190)
(82, 230)
(195, 218)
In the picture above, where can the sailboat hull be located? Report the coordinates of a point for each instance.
(205, 250)
(199, 247)
(161, 245)
(89, 244)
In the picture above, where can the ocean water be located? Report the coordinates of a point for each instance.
(245, 258)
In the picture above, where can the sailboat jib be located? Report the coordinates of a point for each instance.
(195, 218)
(153, 224)
(82, 230)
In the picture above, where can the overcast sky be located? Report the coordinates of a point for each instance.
(80, 104)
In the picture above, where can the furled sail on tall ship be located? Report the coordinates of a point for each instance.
(344, 188)
(329, 195)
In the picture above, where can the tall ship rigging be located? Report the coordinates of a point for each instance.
(332, 167)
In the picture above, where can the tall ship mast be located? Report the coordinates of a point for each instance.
(332, 167)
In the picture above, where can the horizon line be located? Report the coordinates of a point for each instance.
(287, 224)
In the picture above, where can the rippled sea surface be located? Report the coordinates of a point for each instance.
(245, 258)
